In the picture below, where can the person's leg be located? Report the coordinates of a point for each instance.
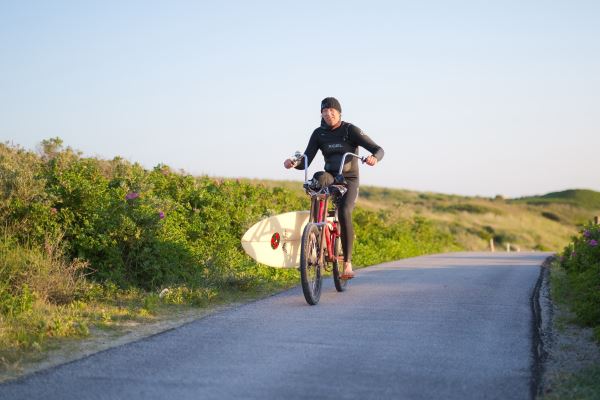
(345, 215)
(324, 179)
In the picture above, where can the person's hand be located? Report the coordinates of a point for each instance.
(288, 163)
(371, 161)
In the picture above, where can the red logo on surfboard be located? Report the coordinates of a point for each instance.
(275, 239)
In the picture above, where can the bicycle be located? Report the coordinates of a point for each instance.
(321, 239)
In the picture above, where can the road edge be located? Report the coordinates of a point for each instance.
(542, 309)
(79, 349)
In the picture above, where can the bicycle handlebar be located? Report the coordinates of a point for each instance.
(362, 159)
(296, 160)
(298, 156)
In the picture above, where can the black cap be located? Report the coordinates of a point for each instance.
(331, 102)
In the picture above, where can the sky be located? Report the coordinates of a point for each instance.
(466, 97)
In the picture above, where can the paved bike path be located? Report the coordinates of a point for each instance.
(450, 326)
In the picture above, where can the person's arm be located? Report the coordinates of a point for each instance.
(311, 151)
(356, 135)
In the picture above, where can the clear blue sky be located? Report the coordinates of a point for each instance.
(466, 97)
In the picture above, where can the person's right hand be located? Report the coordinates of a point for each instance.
(371, 160)
(288, 163)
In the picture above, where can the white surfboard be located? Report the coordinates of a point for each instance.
(275, 241)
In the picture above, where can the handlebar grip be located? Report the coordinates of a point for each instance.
(296, 159)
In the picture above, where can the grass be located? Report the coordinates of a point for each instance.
(47, 299)
(533, 223)
(567, 290)
(581, 384)
(27, 336)
(475, 220)
(585, 198)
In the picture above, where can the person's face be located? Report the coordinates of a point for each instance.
(331, 116)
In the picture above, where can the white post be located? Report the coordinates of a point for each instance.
(492, 245)
(508, 247)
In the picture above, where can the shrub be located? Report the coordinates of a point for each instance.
(379, 240)
(36, 286)
(551, 216)
(135, 227)
(132, 232)
(28, 272)
(581, 260)
(468, 208)
(504, 237)
(155, 228)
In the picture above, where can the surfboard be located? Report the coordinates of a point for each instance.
(275, 241)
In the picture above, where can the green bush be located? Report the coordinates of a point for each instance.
(28, 272)
(135, 227)
(33, 282)
(551, 216)
(379, 240)
(502, 238)
(581, 261)
(468, 208)
(87, 242)
(156, 228)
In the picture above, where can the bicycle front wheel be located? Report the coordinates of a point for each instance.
(310, 259)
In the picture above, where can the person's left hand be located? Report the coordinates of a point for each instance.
(371, 161)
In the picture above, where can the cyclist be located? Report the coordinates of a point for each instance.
(334, 138)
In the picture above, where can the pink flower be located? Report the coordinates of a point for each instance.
(593, 243)
(161, 215)
(53, 210)
(132, 195)
(586, 233)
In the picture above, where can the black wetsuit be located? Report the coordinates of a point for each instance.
(333, 143)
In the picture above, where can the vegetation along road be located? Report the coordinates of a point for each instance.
(452, 326)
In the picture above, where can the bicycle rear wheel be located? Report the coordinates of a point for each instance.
(338, 265)
(310, 269)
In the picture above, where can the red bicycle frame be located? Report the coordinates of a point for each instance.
(330, 228)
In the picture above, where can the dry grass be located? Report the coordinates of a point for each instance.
(547, 226)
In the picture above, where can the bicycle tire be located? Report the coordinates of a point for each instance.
(310, 270)
(338, 266)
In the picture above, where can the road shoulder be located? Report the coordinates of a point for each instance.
(73, 349)
(570, 354)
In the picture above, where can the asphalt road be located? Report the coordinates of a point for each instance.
(450, 326)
